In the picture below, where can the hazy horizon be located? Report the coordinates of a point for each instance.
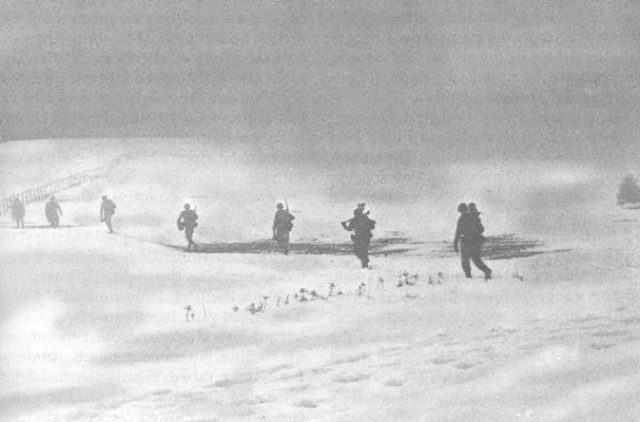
(319, 80)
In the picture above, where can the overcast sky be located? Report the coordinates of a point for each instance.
(429, 80)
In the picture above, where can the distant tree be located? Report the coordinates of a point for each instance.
(629, 191)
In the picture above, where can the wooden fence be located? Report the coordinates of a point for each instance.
(44, 191)
(41, 192)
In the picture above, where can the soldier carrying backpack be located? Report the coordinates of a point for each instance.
(469, 234)
(53, 212)
(361, 226)
(17, 212)
(107, 209)
(282, 225)
(188, 221)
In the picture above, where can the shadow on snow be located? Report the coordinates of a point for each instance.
(495, 247)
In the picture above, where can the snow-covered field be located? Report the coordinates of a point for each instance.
(94, 326)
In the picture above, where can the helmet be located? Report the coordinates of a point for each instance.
(279, 206)
(463, 207)
(187, 207)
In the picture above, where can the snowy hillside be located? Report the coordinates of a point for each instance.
(94, 326)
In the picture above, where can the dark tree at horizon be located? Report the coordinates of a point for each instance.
(629, 191)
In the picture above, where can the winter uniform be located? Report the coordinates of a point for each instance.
(187, 221)
(53, 212)
(282, 225)
(469, 235)
(361, 225)
(107, 209)
(17, 212)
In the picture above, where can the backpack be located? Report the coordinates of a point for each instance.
(283, 220)
(471, 227)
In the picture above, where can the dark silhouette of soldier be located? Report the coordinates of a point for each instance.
(282, 225)
(361, 226)
(17, 212)
(53, 212)
(188, 221)
(107, 209)
(469, 235)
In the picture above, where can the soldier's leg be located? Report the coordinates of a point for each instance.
(286, 244)
(191, 242)
(466, 265)
(481, 265)
(283, 241)
(188, 232)
(361, 250)
(365, 257)
(357, 251)
(362, 256)
(107, 220)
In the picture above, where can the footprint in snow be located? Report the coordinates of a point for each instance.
(613, 333)
(394, 382)
(227, 382)
(298, 387)
(348, 378)
(309, 404)
(601, 346)
(465, 365)
(350, 359)
(278, 368)
(630, 321)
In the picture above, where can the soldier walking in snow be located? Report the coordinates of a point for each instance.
(53, 212)
(282, 225)
(107, 209)
(188, 221)
(17, 212)
(361, 226)
(469, 235)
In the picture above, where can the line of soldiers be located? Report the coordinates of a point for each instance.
(53, 211)
(468, 239)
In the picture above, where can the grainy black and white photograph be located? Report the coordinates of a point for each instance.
(319, 210)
